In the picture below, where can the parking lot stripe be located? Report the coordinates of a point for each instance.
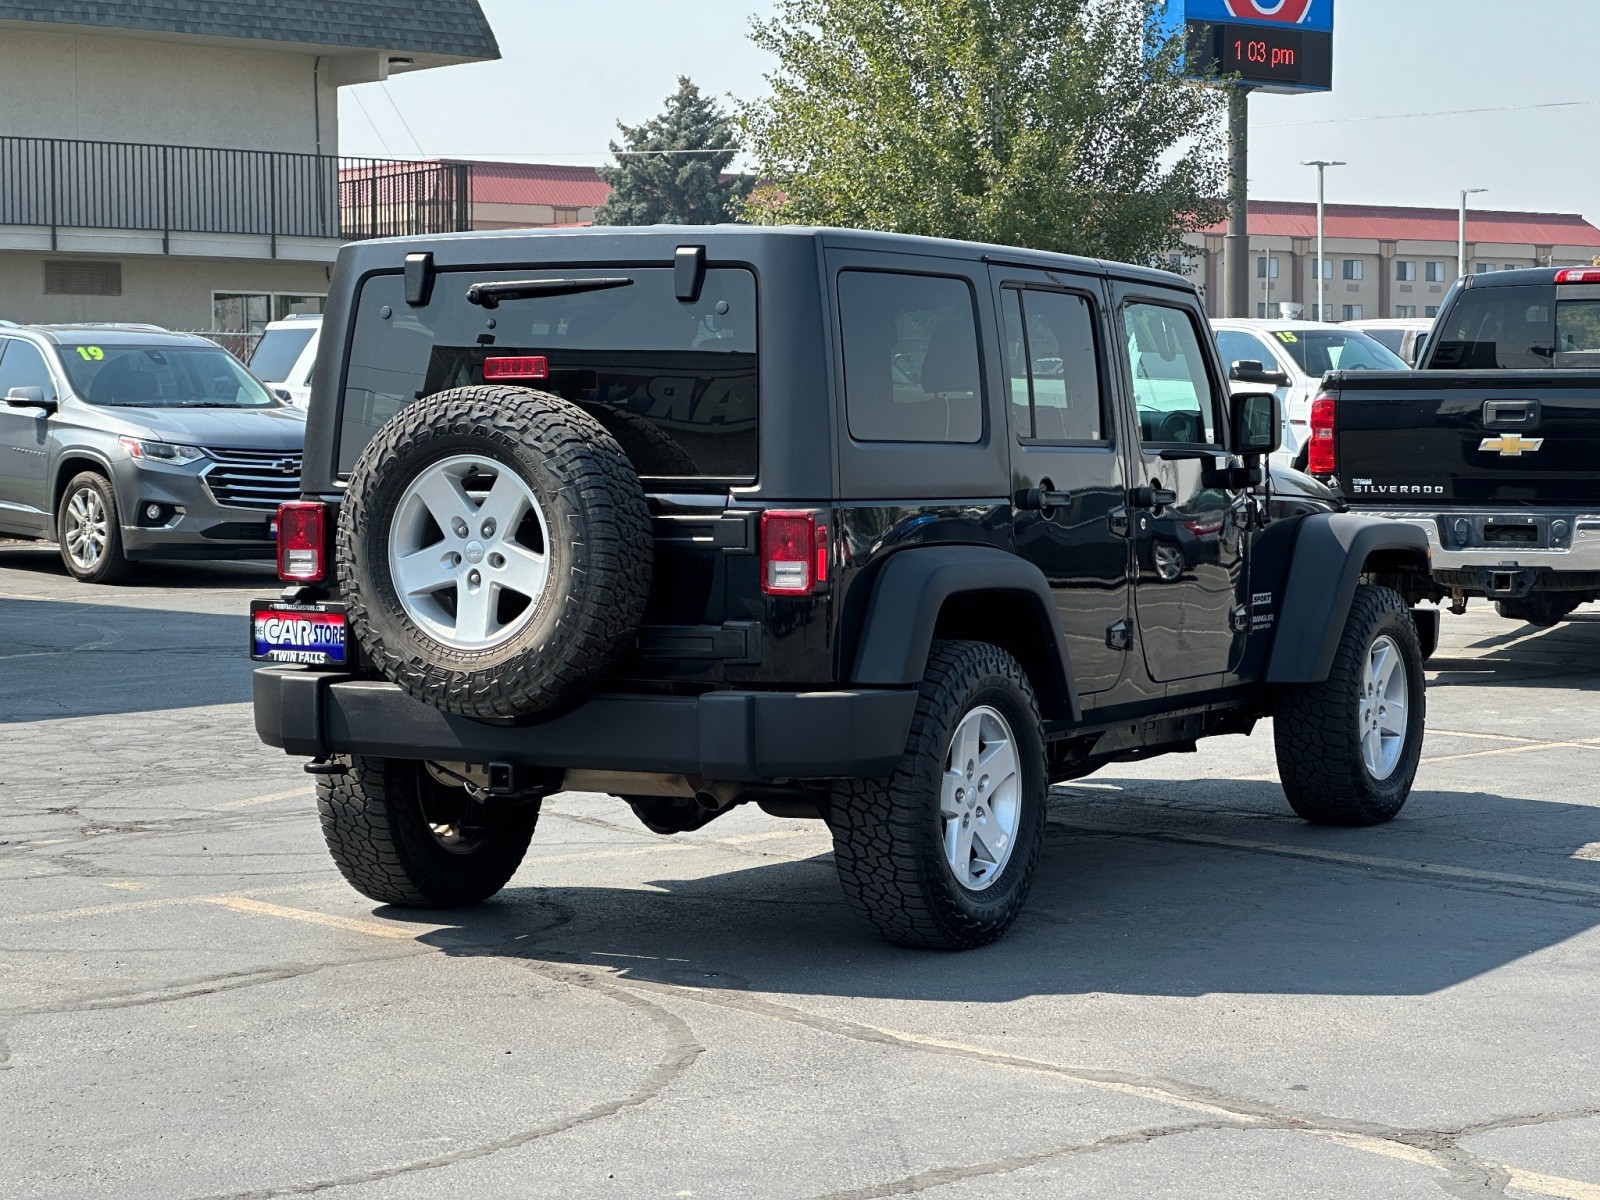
(1552, 1185)
(1341, 857)
(260, 908)
(252, 801)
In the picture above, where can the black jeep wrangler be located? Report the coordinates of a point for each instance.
(885, 531)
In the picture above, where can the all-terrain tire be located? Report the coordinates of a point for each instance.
(374, 818)
(112, 565)
(1317, 727)
(599, 546)
(888, 841)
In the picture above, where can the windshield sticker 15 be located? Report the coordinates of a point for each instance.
(1287, 335)
(91, 354)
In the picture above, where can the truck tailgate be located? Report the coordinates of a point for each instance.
(1468, 437)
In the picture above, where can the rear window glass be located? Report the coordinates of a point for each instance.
(911, 370)
(673, 381)
(277, 353)
(1499, 328)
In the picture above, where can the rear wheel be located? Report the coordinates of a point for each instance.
(90, 531)
(399, 836)
(942, 853)
(1348, 747)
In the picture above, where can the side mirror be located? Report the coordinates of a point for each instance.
(283, 394)
(1251, 370)
(1257, 421)
(29, 397)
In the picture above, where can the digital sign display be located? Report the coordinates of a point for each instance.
(1274, 57)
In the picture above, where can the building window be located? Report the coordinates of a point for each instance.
(566, 216)
(1266, 268)
(77, 277)
(1261, 310)
(1510, 267)
(1316, 312)
(1431, 311)
(1405, 271)
(1483, 268)
(1352, 312)
(1436, 272)
(1353, 268)
(1327, 268)
(250, 312)
(1405, 310)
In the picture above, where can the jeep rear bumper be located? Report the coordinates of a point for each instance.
(726, 736)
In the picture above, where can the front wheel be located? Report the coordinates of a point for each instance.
(1348, 747)
(399, 836)
(942, 853)
(90, 530)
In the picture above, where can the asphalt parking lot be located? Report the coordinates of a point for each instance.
(1205, 998)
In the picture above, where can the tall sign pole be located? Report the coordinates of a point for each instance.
(1236, 249)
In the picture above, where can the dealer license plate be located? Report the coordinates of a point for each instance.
(316, 635)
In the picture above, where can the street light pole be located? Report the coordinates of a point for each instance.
(1322, 257)
(1461, 244)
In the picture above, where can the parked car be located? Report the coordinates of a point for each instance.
(1403, 335)
(285, 355)
(126, 442)
(1491, 449)
(1295, 355)
(882, 530)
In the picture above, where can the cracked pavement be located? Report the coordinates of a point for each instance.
(1205, 997)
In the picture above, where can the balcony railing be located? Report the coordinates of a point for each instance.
(54, 183)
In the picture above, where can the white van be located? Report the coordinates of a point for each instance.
(285, 355)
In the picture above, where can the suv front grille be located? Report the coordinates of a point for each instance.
(260, 479)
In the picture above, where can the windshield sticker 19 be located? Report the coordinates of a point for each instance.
(91, 354)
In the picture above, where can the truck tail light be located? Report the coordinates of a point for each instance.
(303, 542)
(1321, 459)
(1579, 275)
(794, 553)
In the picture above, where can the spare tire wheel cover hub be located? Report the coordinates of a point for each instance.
(460, 570)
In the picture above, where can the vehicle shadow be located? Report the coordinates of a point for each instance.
(91, 657)
(1119, 906)
(1564, 656)
(43, 560)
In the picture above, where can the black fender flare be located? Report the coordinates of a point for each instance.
(912, 587)
(1331, 551)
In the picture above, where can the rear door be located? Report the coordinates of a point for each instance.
(24, 434)
(1068, 470)
(1188, 538)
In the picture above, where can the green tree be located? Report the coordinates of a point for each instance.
(1063, 125)
(650, 187)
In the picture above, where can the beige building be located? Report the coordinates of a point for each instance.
(176, 161)
(1381, 261)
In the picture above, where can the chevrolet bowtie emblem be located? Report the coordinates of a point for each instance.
(1510, 445)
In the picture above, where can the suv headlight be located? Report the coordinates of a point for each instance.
(162, 452)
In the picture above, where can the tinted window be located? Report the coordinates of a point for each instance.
(911, 367)
(277, 353)
(23, 366)
(1492, 328)
(1578, 327)
(1237, 346)
(1319, 351)
(673, 381)
(1170, 381)
(162, 377)
(1054, 364)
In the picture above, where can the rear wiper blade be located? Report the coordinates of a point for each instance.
(489, 295)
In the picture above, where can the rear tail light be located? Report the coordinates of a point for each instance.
(527, 367)
(303, 542)
(1579, 275)
(794, 553)
(1321, 458)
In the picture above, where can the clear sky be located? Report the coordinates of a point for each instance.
(572, 70)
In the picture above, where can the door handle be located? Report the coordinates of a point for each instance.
(1518, 414)
(1153, 497)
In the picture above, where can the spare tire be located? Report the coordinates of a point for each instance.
(494, 551)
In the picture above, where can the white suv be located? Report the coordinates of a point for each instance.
(1296, 355)
(285, 355)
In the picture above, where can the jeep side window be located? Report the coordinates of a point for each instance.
(1054, 364)
(1171, 385)
(911, 366)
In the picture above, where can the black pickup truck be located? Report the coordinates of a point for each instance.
(1492, 447)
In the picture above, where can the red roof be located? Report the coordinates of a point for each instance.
(536, 183)
(1377, 222)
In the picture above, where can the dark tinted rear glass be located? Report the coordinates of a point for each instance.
(1498, 328)
(674, 382)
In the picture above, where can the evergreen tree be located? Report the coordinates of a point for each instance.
(1065, 125)
(650, 188)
